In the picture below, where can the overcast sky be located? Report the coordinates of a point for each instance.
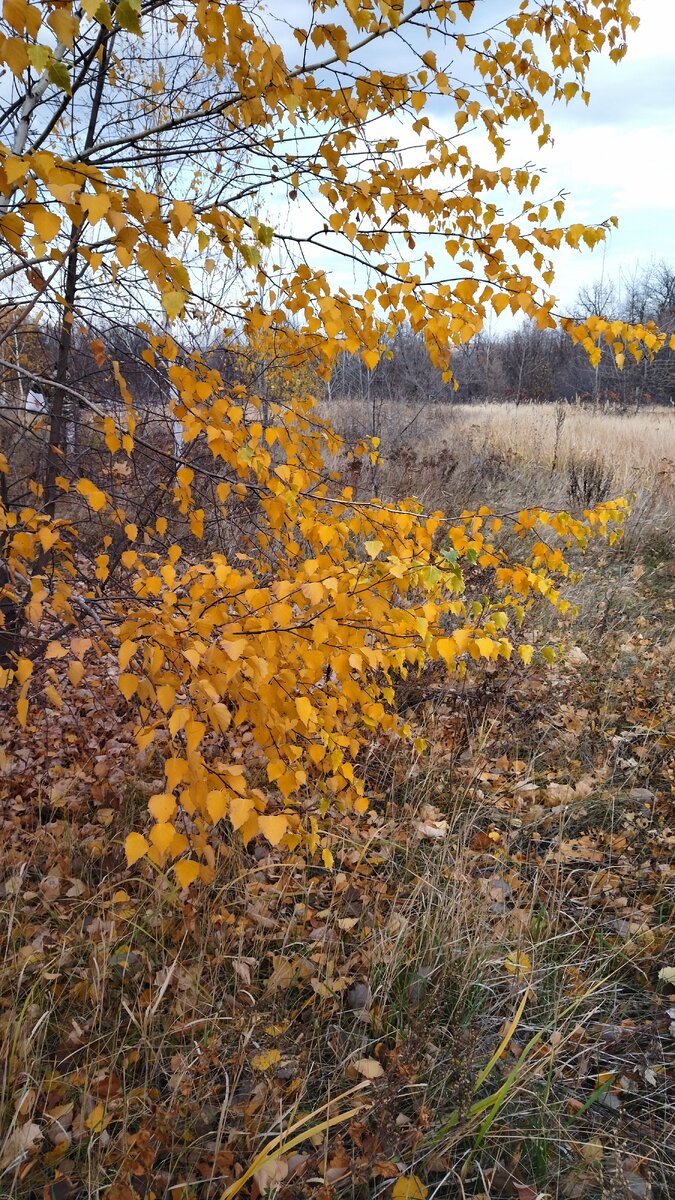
(617, 157)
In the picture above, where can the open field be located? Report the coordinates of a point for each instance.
(471, 999)
(636, 446)
(566, 456)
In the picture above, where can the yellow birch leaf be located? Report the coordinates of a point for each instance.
(75, 672)
(166, 696)
(14, 12)
(273, 828)
(241, 808)
(52, 694)
(409, 1187)
(96, 1119)
(265, 1060)
(217, 804)
(55, 650)
(162, 835)
(518, 963)
(126, 653)
(194, 732)
(186, 871)
(65, 26)
(24, 669)
(95, 498)
(95, 206)
(128, 685)
(46, 224)
(135, 847)
(370, 1068)
(447, 649)
(305, 709)
(162, 806)
(174, 303)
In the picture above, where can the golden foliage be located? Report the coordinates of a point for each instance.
(293, 646)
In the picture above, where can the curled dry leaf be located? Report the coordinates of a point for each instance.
(370, 1068)
(431, 829)
(271, 1174)
(20, 1143)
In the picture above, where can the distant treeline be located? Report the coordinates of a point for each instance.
(528, 364)
(525, 364)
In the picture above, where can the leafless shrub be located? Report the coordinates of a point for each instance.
(589, 481)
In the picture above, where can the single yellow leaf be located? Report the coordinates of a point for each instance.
(194, 732)
(65, 26)
(265, 1060)
(217, 804)
(518, 963)
(409, 1187)
(55, 650)
(186, 871)
(241, 808)
(447, 649)
(75, 672)
(174, 303)
(135, 847)
(95, 206)
(46, 224)
(305, 710)
(96, 1119)
(24, 669)
(126, 653)
(52, 694)
(273, 828)
(128, 685)
(162, 835)
(166, 696)
(162, 806)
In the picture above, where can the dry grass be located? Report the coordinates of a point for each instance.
(511, 456)
(636, 446)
